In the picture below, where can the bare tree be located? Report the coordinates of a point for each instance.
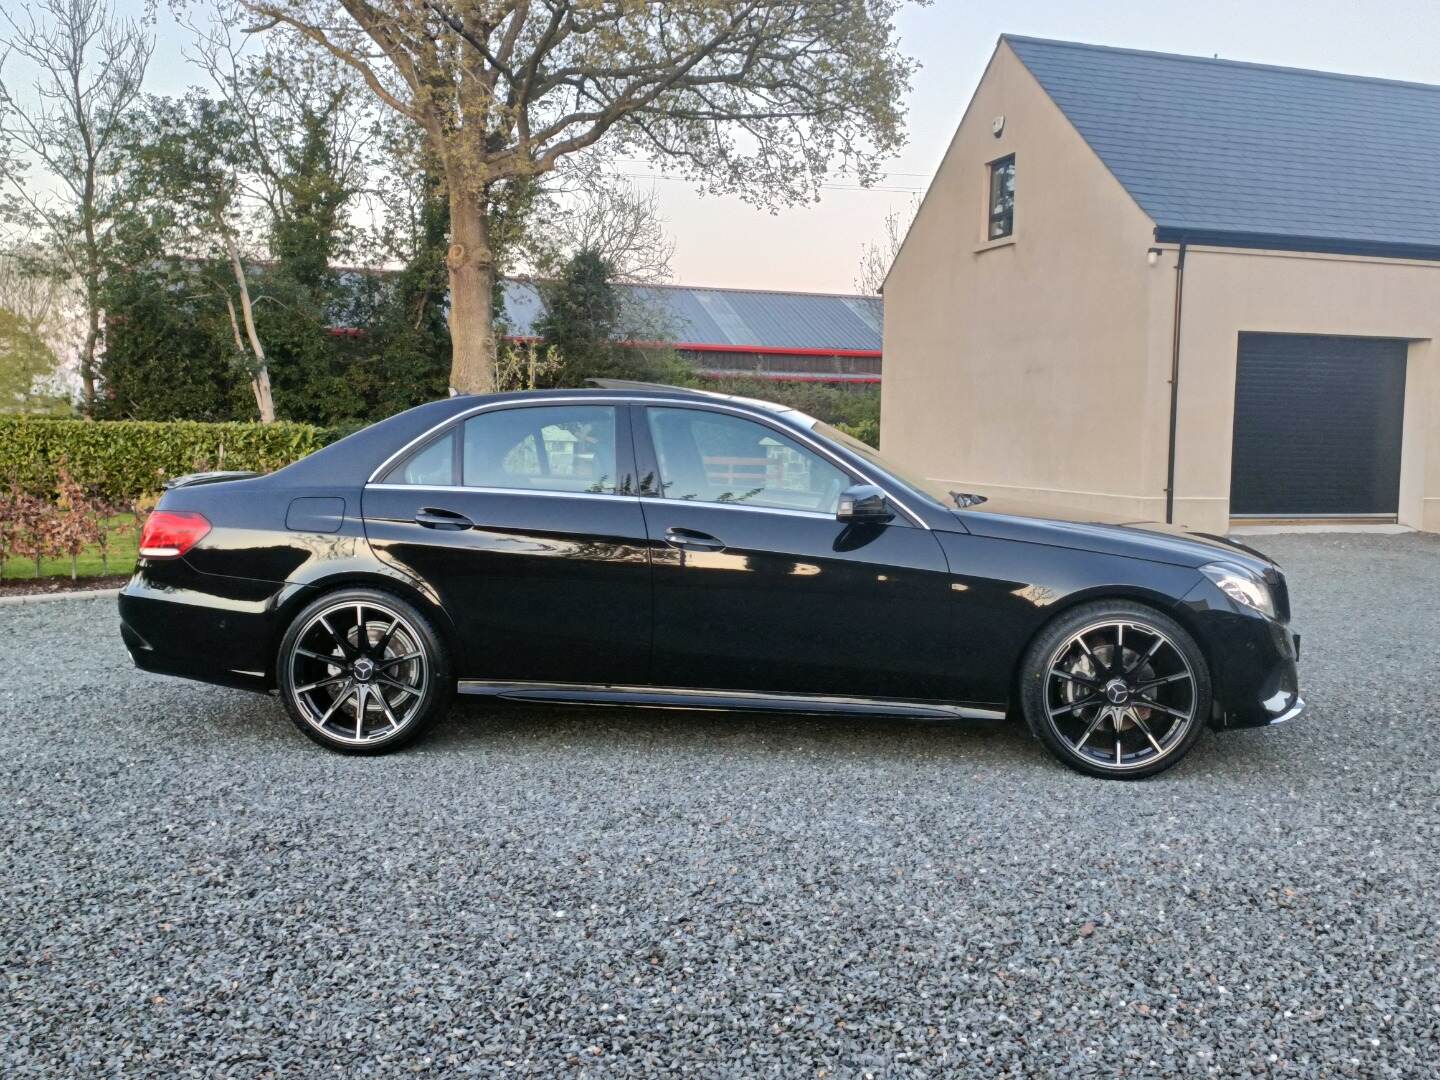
(762, 97)
(89, 67)
(619, 223)
(877, 257)
(294, 105)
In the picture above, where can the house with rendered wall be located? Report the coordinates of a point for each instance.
(1162, 287)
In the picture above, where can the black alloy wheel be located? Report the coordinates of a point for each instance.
(363, 672)
(1116, 690)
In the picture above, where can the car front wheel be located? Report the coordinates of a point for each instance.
(1116, 689)
(363, 672)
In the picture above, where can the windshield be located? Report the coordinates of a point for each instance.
(931, 489)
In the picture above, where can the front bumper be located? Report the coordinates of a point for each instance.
(1254, 677)
(1289, 709)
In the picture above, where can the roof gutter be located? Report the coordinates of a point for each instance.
(1317, 245)
(1175, 381)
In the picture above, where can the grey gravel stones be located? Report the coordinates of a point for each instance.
(190, 888)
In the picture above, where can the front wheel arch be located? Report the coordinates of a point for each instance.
(1122, 594)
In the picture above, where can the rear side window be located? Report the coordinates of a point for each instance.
(431, 466)
(544, 448)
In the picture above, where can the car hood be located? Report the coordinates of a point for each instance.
(1061, 527)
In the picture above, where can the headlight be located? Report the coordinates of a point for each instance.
(1244, 587)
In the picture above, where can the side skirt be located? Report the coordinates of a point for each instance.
(660, 697)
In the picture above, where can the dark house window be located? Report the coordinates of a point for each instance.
(1002, 198)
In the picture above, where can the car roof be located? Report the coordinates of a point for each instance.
(641, 391)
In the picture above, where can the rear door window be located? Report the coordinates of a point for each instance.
(550, 448)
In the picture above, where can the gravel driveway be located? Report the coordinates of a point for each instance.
(192, 888)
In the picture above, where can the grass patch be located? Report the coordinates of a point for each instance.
(123, 542)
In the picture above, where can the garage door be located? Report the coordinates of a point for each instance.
(1317, 426)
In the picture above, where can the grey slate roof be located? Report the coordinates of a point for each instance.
(687, 315)
(1212, 149)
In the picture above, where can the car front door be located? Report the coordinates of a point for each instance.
(524, 520)
(759, 587)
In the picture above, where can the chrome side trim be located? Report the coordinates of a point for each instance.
(669, 697)
(498, 491)
(759, 415)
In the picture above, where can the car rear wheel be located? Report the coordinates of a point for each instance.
(363, 672)
(1116, 689)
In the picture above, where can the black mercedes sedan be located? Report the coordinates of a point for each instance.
(655, 547)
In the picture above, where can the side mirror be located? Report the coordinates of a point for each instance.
(863, 502)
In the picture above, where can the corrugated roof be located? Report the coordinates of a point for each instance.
(1220, 146)
(724, 318)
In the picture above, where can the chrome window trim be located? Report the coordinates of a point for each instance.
(650, 499)
(454, 489)
(752, 413)
(460, 418)
(657, 500)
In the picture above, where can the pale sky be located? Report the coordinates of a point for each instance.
(723, 242)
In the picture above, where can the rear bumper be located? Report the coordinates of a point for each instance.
(222, 630)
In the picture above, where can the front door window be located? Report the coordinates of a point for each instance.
(713, 457)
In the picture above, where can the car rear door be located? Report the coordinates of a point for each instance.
(759, 587)
(524, 521)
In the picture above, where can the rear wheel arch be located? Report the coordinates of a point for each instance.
(411, 593)
(362, 670)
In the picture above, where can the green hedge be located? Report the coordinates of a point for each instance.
(129, 459)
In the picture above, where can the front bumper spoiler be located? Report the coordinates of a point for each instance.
(1286, 709)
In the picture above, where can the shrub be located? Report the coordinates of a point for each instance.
(121, 461)
(78, 524)
(847, 407)
(867, 431)
(33, 528)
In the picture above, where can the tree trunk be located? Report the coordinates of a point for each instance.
(92, 287)
(261, 381)
(471, 263)
(255, 387)
(88, 346)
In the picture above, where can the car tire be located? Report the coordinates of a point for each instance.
(362, 671)
(1122, 721)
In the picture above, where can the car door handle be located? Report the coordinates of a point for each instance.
(690, 540)
(433, 517)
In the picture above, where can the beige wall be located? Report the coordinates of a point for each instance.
(1028, 368)
(1228, 292)
(1040, 368)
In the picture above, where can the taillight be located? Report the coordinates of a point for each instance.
(168, 534)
